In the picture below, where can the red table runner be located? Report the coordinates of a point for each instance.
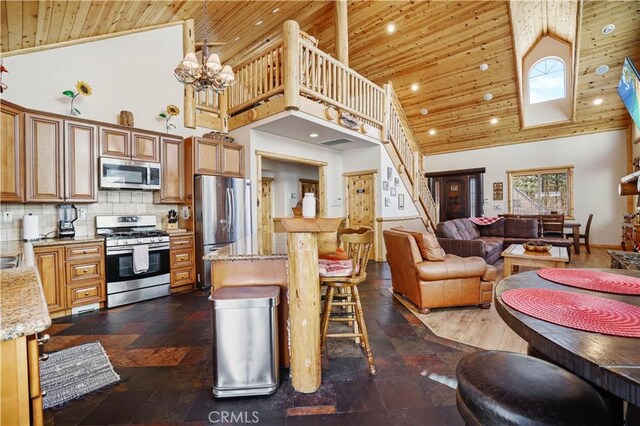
(592, 280)
(575, 310)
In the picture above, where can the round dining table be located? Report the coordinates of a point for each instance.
(609, 362)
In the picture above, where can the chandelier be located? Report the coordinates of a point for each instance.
(208, 75)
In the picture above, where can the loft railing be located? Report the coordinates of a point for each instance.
(296, 69)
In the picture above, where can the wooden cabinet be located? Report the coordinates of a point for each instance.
(61, 160)
(630, 236)
(81, 153)
(183, 267)
(50, 264)
(217, 158)
(11, 154)
(172, 186)
(72, 275)
(44, 154)
(136, 145)
(21, 402)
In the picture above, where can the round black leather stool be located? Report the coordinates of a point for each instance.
(507, 388)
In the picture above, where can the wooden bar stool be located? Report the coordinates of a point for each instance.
(349, 273)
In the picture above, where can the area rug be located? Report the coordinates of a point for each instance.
(74, 372)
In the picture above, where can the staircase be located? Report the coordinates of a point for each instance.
(295, 75)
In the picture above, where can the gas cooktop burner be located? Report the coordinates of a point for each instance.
(137, 234)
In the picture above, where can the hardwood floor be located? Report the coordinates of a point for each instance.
(483, 328)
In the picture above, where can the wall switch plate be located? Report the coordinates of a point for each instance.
(82, 213)
(294, 195)
(7, 216)
(185, 212)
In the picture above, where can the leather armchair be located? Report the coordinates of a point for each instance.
(456, 281)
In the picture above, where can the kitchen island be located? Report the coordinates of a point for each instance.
(23, 313)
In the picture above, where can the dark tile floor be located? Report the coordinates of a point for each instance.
(162, 351)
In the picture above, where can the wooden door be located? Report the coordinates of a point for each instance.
(50, 264)
(266, 209)
(115, 142)
(172, 186)
(145, 147)
(44, 165)
(232, 160)
(11, 155)
(455, 192)
(206, 157)
(81, 153)
(360, 201)
(308, 185)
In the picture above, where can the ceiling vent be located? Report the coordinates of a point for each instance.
(336, 142)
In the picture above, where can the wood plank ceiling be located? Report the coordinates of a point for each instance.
(439, 45)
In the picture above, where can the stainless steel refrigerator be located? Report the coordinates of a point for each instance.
(222, 216)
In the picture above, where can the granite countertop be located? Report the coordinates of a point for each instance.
(67, 241)
(250, 248)
(23, 308)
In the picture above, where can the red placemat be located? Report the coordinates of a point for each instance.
(575, 310)
(592, 280)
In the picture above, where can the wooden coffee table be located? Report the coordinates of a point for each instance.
(516, 255)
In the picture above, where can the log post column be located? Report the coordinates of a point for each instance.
(304, 299)
(342, 32)
(291, 53)
(189, 45)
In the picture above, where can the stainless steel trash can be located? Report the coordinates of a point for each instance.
(245, 340)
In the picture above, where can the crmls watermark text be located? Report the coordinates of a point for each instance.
(235, 417)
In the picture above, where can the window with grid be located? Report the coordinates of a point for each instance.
(541, 191)
(546, 80)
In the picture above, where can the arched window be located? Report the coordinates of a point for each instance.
(546, 80)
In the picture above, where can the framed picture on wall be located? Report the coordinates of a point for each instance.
(393, 191)
(400, 201)
(396, 182)
(389, 173)
(387, 202)
(497, 191)
(385, 185)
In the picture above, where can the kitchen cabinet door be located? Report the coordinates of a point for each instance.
(145, 147)
(44, 165)
(50, 264)
(81, 151)
(11, 154)
(172, 184)
(115, 142)
(232, 162)
(206, 157)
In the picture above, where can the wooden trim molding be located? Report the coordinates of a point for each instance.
(361, 172)
(396, 219)
(290, 159)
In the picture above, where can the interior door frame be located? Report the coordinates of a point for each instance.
(322, 179)
(374, 206)
(266, 179)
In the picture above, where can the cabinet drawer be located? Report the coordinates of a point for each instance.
(180, 243)
(181, 258)
(183, 276)
(85, 270)
(84, 251)
(84, 294)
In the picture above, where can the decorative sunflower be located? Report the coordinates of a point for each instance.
(82, 89)
(171, 111)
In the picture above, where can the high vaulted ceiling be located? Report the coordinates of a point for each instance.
(439, 45)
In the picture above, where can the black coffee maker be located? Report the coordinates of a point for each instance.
(67, 214)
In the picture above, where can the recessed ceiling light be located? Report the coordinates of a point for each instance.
(597, 101)
(487, 96)
(608, 29)
(493, 120)
(391, 28)
(276, 10)
(432, 132)
(484, 67)
(313, 135)
(259, 22)
(424, 111)
(414, 87)
(602, 69)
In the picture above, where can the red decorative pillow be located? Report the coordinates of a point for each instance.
(335, 268)
(340, 254)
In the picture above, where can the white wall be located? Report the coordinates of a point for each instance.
(599, 161)
(286, 181)
(133, 73)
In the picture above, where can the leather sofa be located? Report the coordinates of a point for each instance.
(464, 238)
(454, 281)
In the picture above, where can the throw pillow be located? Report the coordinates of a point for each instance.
(428, 244)
(335, 268)
(339, 254)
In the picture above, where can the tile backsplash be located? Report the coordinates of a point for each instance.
(109, 203)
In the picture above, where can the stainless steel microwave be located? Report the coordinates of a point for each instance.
(129, 174)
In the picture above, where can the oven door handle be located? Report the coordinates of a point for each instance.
(130, 250)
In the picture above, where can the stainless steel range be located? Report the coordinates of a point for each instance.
(137, 258)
